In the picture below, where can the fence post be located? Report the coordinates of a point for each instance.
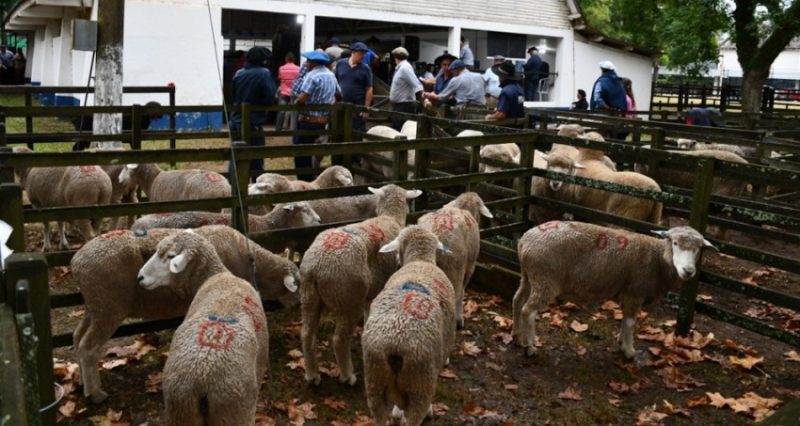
(524, 184)
(136, 127)
(28, 117)
(11, 213)
(422, 159)
(239, 183)
(6, 173)
(17, 402)
(400, 163)
(32, 267)
(3, 141)
(474, 163)
(347, 136)
(172, 115)
(28, 342)
(698, 219)
(656, 142)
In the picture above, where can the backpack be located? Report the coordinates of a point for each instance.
(544, 70)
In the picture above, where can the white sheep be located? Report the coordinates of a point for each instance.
(171, 185)
(70, 186)
(106, 269)
(586, 263)
(341, 209)
(506, 152)
(409, 333)
(220, 352)
(343, 271)
(331, 177)
(456, 225)
(693, 145)
(386, 132)
(685, 179)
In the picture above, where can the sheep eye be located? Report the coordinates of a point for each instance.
(170, 256)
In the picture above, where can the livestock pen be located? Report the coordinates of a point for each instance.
(443, 166)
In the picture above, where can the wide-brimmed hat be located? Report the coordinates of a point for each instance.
(438, 60)
(505, 70)
(319, 57)
(457, 65)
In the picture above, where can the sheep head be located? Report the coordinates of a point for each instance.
(561, 164)
(684, 247)
(303, 214)
(173, 255)
(415, 243)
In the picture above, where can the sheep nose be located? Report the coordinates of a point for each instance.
(140, 278)
(689, 271)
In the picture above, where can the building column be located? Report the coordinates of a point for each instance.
(454, 41)
(63, 54)
(36, 60)
(48, 61)
(308, 33)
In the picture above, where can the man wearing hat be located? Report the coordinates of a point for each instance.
(492, 82)
(608, 93)
(355, 80)
(509, 103)
(253, 84)
(319, 87)
(405, 89)
(334, 50)
(532, 68)
(443, 76)
(466, 87)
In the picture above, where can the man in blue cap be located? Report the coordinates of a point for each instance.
(253, 85)
(355, 80)
(510, 101)
(608, 93)
(319, 87)
(466, 87)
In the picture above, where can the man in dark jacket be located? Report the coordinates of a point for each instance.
(253, 85)
(532, 73)
(608, 93)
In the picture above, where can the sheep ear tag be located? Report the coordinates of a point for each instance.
(390, 247)
(289, 283)
(178, 263)
(5, 233)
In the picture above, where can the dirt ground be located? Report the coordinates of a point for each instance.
(720, 374)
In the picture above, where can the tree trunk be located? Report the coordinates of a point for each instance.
(108, 79)
(752, 87)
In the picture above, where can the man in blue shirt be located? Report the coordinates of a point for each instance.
(466, 87)
(253, 85)
(532, 68)
(509, 103)
(319, 87)
(608, 93)
(355, 80)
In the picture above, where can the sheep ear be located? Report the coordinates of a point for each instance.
(290, 284)
(517, 158)
(545, 157)
(660, 233)
(345, 180)
(486, 212)
(289, 207)
(443, 248)
(376, 191)
(483, 150)
(707, 243)
(131, 166)
(390, 246)
(178, 263)
(578, 166)
(413, 193)
(124, 176)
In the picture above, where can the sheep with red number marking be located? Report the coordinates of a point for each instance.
(343, 271)
(220, 352)
(409, 333)
(456, 225)
(632, 268)
(106, 269)
(171, 185)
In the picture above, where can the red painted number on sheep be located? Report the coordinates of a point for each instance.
(113, 234)
(602, 242)
(622, 242)
(335, 240)
(553, 224)
(215, 335)
(417, 305)
(213, 177)
(374, 232)
(88, 169)
(251, 308)
(442, 221)
(221, 221)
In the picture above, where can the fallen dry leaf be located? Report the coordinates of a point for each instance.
(335, 403)
(265, 420)
(504, 337)
(471, 408)
(748, 362)
(470, 307)
(295, 353)
(67, 409)
(580, 350)
(448, 374)
(609, 305)
(133, 352)
(570, 393)
(113, 416)
(674, 379)
(440, 409)
(671, 410)
(648, 416)
(697, 401)
(792, 356)
(298, 414)
(470, 349)
(114, 363)
(578, 327)
(619, 387)
(510, 386)
(616, 402)
(297, 363)
(504, 323)
(153, 382)
(362, 420)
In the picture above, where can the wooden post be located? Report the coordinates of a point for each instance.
(239, 182)
(347, 136)
(528, 150)
(422, 159)
(698, 219)
(28, 117)
(474, 163)
(32, 267)
(656, 142)
(172, 117)
(6, 173)
(28, 342)
(400, 163)
(3, 128)
(136, 127)
(12, 214)
(16, 401)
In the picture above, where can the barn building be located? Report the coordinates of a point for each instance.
(174, 40)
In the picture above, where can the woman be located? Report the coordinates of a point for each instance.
(628, 85)
(581, 103)
(19, 67)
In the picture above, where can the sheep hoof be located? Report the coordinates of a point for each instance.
(314, 380)
(98, 397)
(350, 381)
(530, 350)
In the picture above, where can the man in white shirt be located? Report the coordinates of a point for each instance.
(493, 83)
(406, 88)
(466, 55)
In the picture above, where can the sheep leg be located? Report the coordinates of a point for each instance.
(419, 402)
(63, 228)
(626, 336)
(520, 298)
(80, 330)
(342, 337)
(230, 411)
(46, 236)
(97, 223)
(85, 227)
(311, 313)
(95, 335)
(377, 397)
(182, 408)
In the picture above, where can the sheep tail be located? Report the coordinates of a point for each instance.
(395, 363)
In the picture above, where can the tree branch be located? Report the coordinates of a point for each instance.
(787, 28)
(746, 31)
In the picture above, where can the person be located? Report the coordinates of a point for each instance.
(608, 93)
(510, 101)
(466, 55)
(581, 104)
(427, 72)
(355, 81)
(333, 49)
(709, 117)
(630, 101)
(318, 87)
(253, 85)
(6, 65)
(19, 67)
(287, 74)
(492, 82)
(405, 89)
(466, 87)
(443, 76)
(532, 68)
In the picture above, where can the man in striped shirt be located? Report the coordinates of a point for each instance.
(318, 87)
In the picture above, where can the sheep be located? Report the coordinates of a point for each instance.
(693, 145)
(341, 209)
(220, 352)
(506, 152)
(589, 163)
(70, 186)
(386, 132)
(409, 333)
(120, 191)
(171, 185)
(577, 131)
(343, 271)
(684, 179)
(106, 269)
(540, 188)
(456, 226)
(331, 177)
(584, 263)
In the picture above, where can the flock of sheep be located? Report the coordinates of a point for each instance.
(406, 283)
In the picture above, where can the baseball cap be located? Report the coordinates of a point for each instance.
(457, 65)
(607, 65)
(359, 46)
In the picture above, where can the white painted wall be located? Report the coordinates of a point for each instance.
(786, 65)
(639, 69)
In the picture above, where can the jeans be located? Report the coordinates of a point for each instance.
(531, 86)
(282, 115)
(302, 162)
(256, 166)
